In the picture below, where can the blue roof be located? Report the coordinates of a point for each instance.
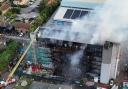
(77, 4)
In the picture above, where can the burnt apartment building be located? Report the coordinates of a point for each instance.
(96, 61)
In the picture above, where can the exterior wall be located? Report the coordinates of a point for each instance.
(110, 63)
(106, 65)
(105, 73)
(114, 61)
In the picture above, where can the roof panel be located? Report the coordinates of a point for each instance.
(76, 14)
(68, 13)
(83, 13)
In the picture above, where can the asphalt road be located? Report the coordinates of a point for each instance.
(31, 7)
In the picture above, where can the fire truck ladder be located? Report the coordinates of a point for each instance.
(22, 57)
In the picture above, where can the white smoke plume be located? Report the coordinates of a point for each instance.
(109, 23)
(75, 58)
(74, 71)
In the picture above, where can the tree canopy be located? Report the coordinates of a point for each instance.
(46, 10)
(8, 54)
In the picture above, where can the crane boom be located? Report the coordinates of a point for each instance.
(20, 60)
(22, 57)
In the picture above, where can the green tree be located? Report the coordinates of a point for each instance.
(42, 5)
(46, 10)
(16, 10)
(8, 54)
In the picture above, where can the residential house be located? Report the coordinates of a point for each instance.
(5, 7)
(22, 27)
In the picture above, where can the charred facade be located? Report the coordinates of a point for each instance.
(92, 63)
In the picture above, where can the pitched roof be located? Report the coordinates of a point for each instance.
(5, 6)
(23, 26)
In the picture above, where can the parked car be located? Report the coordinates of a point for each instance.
(21, 34)
(111, 82)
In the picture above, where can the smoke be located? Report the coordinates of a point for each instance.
(75, 58)
(109, 23)
(74, 70)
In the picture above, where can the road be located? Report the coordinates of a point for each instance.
(31, 7)
(17, 38)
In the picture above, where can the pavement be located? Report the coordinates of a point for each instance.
(31, 7)
(30, 11)
(17, 38)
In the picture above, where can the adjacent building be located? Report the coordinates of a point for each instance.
(22, 27)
